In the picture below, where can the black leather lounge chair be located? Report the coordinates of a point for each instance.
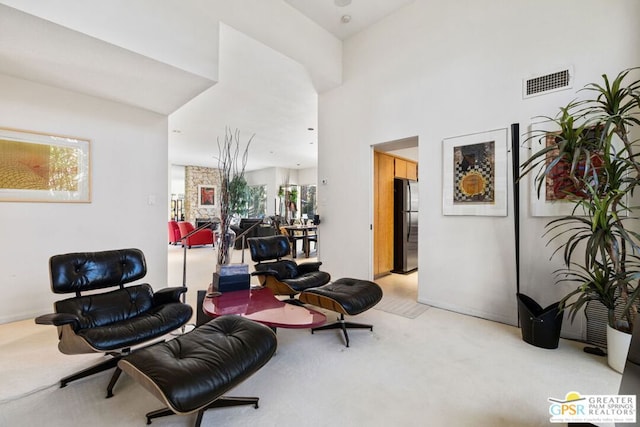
(109, 322)
(283, 276)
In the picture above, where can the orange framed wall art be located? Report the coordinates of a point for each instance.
(39, 167)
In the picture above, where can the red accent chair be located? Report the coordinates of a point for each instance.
(202, 237)
(174, 233)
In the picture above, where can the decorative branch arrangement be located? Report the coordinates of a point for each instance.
(231, 163)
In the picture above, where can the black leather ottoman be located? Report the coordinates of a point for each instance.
(344, 296)
(191, 372)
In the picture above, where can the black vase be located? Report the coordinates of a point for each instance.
(540, 326)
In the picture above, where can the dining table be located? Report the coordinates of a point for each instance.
(304, 229)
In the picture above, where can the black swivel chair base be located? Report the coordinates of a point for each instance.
(293, 301)
(222, 402)
(344, 325)
(107, 364)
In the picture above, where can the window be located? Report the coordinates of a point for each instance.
(257, 201)
(308, 204)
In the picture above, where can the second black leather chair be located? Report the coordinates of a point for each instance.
(283, 276)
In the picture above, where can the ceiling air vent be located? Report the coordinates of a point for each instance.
(553, 82)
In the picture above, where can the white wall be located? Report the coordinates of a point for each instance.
(407, 153)
(307, 176)
(444, 69)
(129, 170)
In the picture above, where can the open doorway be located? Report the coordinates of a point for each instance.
(396, 202)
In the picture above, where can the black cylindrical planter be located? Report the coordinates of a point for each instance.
(540, 326)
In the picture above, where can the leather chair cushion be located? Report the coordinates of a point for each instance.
(308, 280)
(83, 271)
(298, 277)
(153, 324)
(123, 317)
(349, 296)
(285, 269)
(193, 370)
(267, 248)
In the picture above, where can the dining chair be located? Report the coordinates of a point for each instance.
(312, 237)
(294, 237)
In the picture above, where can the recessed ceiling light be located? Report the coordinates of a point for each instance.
(345, 19)
(342, 3)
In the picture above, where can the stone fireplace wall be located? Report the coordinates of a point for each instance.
(194, 176)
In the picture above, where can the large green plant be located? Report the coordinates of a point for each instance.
(238, 195)
(232, 161)
(592, 160)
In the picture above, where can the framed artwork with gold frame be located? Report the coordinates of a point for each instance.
(39, 167)
(475, 174)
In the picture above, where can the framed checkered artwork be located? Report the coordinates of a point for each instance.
(475, 174)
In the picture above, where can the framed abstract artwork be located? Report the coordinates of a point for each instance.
(206, 196)
(475, 174)
(38, 167)
(545, 202)
(553, 197)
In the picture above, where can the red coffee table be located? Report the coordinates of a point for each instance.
(262, 306)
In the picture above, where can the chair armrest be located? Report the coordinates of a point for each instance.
(168, 295)
(266, 273)
(307, 267)
(58, 319)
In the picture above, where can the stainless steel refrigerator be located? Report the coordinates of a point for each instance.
(405, 236)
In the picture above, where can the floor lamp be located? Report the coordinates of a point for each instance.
(183, 239)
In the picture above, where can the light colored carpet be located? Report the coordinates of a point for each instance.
(401, 306)
(438, 369)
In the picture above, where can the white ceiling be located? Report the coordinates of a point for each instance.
(259, 90)
(363, 13)
(262, 92)
(42, 51)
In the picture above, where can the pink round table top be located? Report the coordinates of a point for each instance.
(262, 306)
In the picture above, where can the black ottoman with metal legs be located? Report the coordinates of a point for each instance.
(191, 373)
(344, 296)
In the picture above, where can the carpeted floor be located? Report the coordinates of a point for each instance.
(436, 369)
(401, 307)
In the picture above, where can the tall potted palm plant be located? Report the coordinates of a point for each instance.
(592, 162)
